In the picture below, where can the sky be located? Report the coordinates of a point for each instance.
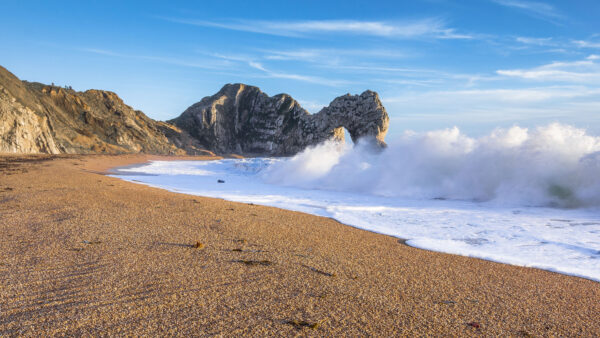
(474, 64)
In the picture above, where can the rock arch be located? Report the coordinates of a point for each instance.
(362, 115)
(242, 119)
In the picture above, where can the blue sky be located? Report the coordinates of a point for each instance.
(475, 64)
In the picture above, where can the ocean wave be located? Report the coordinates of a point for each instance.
(554, 166)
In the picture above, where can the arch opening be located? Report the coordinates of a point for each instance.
(347, 138)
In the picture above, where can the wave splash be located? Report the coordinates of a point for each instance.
(554, 166)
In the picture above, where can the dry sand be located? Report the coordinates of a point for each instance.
(86, 254)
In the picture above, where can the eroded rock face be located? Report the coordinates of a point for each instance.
(243, 120)
(37, 118)
(362, 115)
(21, 130)
(239, 119)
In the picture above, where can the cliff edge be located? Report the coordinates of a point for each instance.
(38, 118)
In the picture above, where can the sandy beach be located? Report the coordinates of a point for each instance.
(86, 254)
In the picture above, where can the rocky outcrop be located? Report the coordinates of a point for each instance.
(22, 130)
(241, 119)
(37, 118)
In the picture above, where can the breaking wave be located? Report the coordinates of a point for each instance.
(555, 165)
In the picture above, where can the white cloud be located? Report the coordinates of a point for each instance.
(348, 63)
(584, 71)
(229, 57)
(412, 82)
(309, 55)
(252, 62)
(297, 77)
(101, 52)
(536, 41)
(257, 66)
(565, 45)
(325, 55)
(586, 44)
(537, 9)
(502, 95)
(432, 28)
(481, 108)
(202, 64)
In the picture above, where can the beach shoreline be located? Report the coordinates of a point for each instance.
(198, 180)
(84, 253)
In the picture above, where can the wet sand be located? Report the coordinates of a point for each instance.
(86, 254)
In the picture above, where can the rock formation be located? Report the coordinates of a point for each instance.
(243, 120)
(37, 118)
(239, 119)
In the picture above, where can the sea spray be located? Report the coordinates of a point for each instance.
(554, 165)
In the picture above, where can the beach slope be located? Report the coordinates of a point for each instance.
(86, 254)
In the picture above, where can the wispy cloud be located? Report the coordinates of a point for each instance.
(570, 104)
(251, 62)
(203, 64)
(553, 44)
(537, 9)
(309, 55)
(556, 42)
(296, 77)
(499, 95)
(582, 71)
(430, 27)
(411, 82)
(320, 55)
(527, 95)
(543, 45)
(257, 65)
(348, 63)
(586, 44)
(536, 41)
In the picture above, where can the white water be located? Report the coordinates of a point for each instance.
(516, 196)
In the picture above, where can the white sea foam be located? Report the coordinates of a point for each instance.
(554, 165)
(516, 196)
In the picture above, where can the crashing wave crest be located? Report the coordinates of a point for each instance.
(555, 165)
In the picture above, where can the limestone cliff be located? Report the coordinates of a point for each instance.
(37, 118)
(241, 119)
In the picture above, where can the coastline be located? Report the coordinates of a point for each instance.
(125, 171)
(87, 254)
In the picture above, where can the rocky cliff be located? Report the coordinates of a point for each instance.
(241, 119)
(38, 118)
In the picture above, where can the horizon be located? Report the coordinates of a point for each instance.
(436, 64)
